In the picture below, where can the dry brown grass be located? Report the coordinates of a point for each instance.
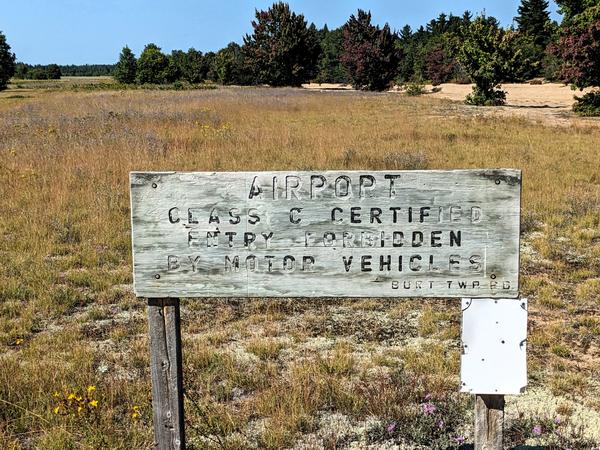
(260, 372)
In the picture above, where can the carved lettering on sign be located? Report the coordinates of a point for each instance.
(305, 234)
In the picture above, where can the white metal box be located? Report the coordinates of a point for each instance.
(494, 337)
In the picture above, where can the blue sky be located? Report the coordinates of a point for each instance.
(86, 31)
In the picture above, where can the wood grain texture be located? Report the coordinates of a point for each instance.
(166, 371)
(489, 422)
(334, 234)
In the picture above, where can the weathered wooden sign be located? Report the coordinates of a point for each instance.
(326, 234)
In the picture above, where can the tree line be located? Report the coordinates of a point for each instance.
(285, 50)
(54, 71)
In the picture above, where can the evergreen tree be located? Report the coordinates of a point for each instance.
(534, 20)
(87, 70)
(152, 66)
(21, 71)
(53, 72)
(7, 62)
(126, 68)
(488, 55)
(209, 64)
(330, 66)
(196, 66)
(430, 53)
(283, 49)
(571, 8)
(370, 53)
(407, 45)
(230, 67)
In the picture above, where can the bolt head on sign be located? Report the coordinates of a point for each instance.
(326, 234)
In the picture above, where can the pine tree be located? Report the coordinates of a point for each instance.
(152, 66)
(282, 50)
(571, 8)
(488, 56)
(330, 67)
(534, 20)
(7, 62)
(125, 69)
(370, 55)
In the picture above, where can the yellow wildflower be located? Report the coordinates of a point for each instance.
(91, 388)
(56, 410)
(79, 409)
(71, 396)
(94, 403)
(18, 341)
(136, 412)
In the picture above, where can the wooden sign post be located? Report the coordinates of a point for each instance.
(166, 369)
(313, 234)
(493, 361)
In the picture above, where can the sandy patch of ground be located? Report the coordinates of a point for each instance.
(328, 86)
(550, 95)
(548, 103)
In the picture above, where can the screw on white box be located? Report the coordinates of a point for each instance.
(493, 361)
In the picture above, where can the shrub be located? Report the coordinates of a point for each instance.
(483, 97)
(588, 105)
(415, 88)
(406, 161)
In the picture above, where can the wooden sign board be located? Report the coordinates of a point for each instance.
(326, 234)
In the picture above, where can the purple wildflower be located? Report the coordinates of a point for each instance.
(537, 430)
(459, 440)
(440, 424)
(429, 408)
(391, 427)
(557, 420)
(428, 397)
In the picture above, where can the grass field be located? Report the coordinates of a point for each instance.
(334, 374)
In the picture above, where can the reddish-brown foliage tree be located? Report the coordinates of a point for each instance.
(369, 53)
(439, 66)
(579, 49)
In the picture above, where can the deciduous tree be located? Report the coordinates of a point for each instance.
(579, 50)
